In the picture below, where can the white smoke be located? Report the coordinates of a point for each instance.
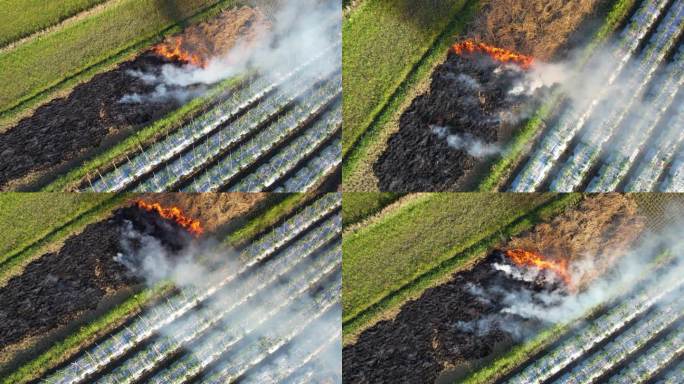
(301, 30)
(200, 263)
(523, 308)
(467, 142)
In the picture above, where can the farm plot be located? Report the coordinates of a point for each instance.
(211, 108)
(285, 293)
(611, 139)
(518, 287)
(258, 125)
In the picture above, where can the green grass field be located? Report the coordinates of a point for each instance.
(383, 39)
(357, 206)
(47, 63)
(406, 243)
(27, 217)
(21, 18)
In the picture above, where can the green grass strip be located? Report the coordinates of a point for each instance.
(473, 252)
(33, 71)
(63, 350)
(420, 71)
(21, 18)
(142, 137)
(60, 232)
(502, 168)
(383, 40)
(357, 206)
(28, 217)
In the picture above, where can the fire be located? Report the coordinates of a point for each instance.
(175, 214)
(530, 259)
(498, 54)
(175, 52)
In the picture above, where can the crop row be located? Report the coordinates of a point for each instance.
(287, 159)
(601, 127)
(652, 360)
(600, 329)
(632, 339)
(285, 125)
(190, 297)
(619, 161)
(243, 101)
(659, 155)
(571, 119)
(279, 333)
(301, 353)
(239, 294)
(219, 142)
(256, 319)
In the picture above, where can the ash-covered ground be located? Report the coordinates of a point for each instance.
(59, 287)
(458, 122)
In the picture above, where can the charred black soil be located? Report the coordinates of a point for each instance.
(59, 287)
(425, 338)
(69, 127)
(469, 97)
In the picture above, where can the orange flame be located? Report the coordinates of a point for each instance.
(176, 53)
(175, 214)
(498, 54)
(530, 259)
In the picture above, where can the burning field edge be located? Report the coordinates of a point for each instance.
(354, 324)
(258, 220)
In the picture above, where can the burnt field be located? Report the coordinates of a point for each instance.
(469, 109)
(233, 103)
(557, 272)
(157, 278)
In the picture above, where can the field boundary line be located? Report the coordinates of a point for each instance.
(396, 205)
(95, 9)
(389, 106)
(364, 318)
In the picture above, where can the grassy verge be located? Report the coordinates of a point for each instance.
(144, 136)
(420, 71)
(502, 168)
(26, 217)
(21, 18)
(425, 234)
(357, 206)
(15, 260)
(45, 65)
(383, 40)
